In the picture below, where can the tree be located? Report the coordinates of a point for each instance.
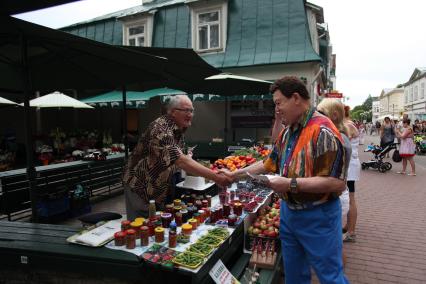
(364, 111)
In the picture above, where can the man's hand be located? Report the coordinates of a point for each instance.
(279, 184)
(223, 179)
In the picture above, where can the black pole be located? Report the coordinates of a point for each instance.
(124, 127)
(31, 171)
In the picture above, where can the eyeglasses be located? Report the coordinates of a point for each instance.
(186, 110)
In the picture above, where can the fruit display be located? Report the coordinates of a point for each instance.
(233, 163)
(267, 224)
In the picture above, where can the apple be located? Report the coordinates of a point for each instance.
(263, 226)
(256, 225)
(256, 231)
(277, 224)
(250, 230)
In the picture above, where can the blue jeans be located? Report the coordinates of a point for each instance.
(312, 237)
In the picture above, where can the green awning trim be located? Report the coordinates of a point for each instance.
(114, 99)
(139, 100)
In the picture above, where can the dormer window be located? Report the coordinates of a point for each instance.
(138, 32)
(136, 35)
(209, 26)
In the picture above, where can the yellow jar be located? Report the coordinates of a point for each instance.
(159, 235)
(187, 229)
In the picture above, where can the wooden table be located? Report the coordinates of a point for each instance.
(41, 247)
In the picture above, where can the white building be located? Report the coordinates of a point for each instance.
(375, 109)
(391, 103)
(414, 95)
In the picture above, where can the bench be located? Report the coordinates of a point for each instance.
(98, 177)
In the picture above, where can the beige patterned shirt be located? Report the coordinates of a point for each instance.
(152, 162)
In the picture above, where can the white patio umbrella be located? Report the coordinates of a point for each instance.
(228, 76)
(4, 101)
(59, 100)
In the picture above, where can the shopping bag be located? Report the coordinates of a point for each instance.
(396, 157)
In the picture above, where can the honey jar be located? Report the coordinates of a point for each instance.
(193, 222)
(186, 229)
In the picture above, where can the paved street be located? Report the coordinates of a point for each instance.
(391, 244)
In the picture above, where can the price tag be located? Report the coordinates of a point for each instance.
(221, 275)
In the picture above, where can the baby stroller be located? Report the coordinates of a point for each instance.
(379, 153)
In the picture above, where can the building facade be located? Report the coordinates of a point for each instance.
(263, 39)
(391, 103)
(414, 95)
(375, 111)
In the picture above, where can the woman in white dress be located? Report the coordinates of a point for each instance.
(354, 171)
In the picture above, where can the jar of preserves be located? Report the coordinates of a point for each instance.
(178, 218)
(120, 239)
(232, 195)
(205, 203)
(184, 213)
(144, 236)
(177, 202)
(168, 208)
(232, 219)
(226, 210)
(166, 218)
(201, 216)
(186, 229)
(213, 216)
(151, 228)
(172, 239)
(159, 235)
(238, 208)
(206, 212)
(193, 222)
(176, 209)
(152, 209)
(130, 239)
(136, 226)
(198, 204)
(125, 225)
(209, 200)
(140, 220)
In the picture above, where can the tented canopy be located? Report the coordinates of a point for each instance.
(4, 101)
(57, 100)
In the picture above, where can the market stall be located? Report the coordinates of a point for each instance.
(182, 244)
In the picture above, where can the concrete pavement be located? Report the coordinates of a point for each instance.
(390, 246)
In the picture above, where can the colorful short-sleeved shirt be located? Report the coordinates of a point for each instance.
(313, 148)
(151, 164)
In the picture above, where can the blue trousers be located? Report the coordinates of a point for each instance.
(312, 238)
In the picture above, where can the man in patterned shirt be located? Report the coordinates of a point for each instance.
(157, 156)
(309, 157)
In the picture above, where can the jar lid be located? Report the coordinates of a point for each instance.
(166, 215)
(120, 234)
(186, 226)
(232, 216)
(177, 207)
(125, 222)
(130, 232)
(144, 228)
(183, 211)
(159, 230)
(136, 224)
(177, 200)
(140, 220)
(192, 220)
(169, 205)
(201, 212)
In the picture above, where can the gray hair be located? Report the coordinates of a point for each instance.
(174, 102)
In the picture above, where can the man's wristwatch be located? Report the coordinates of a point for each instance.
(293, 186)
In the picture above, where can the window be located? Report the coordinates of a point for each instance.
(416, 93)
(209, 24)
(136, 35)
(410, 98)
(406, 96)
(422, 90)
(137, 32)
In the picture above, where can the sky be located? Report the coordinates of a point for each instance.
(378, 43)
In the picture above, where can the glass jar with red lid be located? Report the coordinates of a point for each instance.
(120, 239)
(130, 239)
(226, 210)
(125, 225)
(144, 236)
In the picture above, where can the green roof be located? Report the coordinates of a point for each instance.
(260, 32)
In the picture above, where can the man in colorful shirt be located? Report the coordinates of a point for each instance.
(157, 156)
(310, 160)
